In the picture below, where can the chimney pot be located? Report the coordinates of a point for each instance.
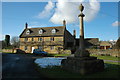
(26, 25)
(74, 33)
(64, 23)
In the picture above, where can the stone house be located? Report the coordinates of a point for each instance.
(49, 39)
(105, 45)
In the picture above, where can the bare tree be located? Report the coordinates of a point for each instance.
(15, 42)
(117, 45)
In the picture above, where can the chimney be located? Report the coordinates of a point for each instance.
(64, 23)
(74, 33)
(26, 25)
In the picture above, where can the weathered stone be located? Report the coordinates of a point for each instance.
(82, 53)
(83, 65)
(20, 51)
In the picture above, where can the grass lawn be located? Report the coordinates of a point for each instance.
(112, 70)
(59, 55)
(57, 72)
(107, 57)
(98, 56)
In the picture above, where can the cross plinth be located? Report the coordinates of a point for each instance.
(81, 52)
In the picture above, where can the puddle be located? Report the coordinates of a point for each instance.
(49, 61)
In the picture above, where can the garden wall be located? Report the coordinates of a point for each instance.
(9, 50)
(109, 52)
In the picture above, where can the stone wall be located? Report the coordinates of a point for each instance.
(45, 44)
(8, 51)
(109, 52)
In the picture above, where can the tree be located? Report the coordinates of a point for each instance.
(15, 42)
(7, 40)
(117, 45)
(3, 44)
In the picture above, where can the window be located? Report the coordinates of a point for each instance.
(39, 47)
(53, 31)
(32, 39)
(26, 39)
(40, 39)
(28, 32)
(40, 31)
(51, 47)
(52, 39)
(25, 47)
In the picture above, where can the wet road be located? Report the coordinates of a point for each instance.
(19, 67)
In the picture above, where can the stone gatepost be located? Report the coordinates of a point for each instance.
(82, 63)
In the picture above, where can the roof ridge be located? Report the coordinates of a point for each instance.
(47, 27)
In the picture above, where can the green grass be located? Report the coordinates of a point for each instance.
(107, 57)
(98, 56)
(110, 72)
(116, 63)
(57, 72)
(59, 55)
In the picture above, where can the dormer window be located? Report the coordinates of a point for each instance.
(40, 31)
(53, 30)
(28, 32)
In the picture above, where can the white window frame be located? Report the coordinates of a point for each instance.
(40, 31)
(53, 30)
(28, 32)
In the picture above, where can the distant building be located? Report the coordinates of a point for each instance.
(89, 42)
(48, 39)
(105, 45)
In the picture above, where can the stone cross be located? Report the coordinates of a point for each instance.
(81, 52)
(81, 62)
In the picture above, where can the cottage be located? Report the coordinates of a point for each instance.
(49, 39)
(105, 45)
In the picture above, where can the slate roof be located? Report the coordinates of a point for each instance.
(47, 31)
(105, 43)
(89, 41)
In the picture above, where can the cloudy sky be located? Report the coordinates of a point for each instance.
(100, 21)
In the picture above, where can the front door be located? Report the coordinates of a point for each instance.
(32, 49)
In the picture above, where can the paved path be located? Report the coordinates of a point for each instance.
(111, 61)
(19, 67)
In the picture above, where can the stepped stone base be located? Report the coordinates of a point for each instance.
(83, 65)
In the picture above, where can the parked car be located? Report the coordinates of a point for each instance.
(39, 52)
